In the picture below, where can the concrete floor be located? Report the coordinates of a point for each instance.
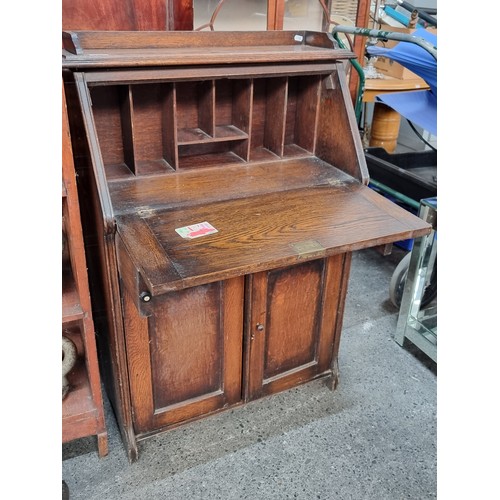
(373, 438)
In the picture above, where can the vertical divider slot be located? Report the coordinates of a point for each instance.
(169, 126)
(242, 115)
(206, 107)
(276, 106)
(302, 115)
(127, 120)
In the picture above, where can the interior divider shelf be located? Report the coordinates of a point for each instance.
(157, 127)
(198, 136)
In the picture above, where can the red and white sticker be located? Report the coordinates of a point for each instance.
(196, 230)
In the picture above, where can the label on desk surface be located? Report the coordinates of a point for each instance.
(196, 230)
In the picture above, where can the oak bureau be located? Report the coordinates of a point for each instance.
(225, 188)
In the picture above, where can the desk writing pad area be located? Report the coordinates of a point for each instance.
(260, 232)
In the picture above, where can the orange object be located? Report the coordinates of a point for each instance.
(385, 127)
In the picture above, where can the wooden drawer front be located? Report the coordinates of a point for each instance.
(185, 359)
(291, 325)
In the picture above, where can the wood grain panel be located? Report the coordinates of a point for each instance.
(186, 345)
(129, 274)
(235, 181)
(290, 45)
(336, 277)
(292, 317)
(187, 73)
(185, 359)
(107, 117)
(255, 305)
(306, 123)
(258, 113)
(187, 105)
(114, 15)
(148, 121)
(233, 317)
(138, 357)
(146, 252)
(339, 142)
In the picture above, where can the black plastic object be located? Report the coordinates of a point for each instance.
(411, 174)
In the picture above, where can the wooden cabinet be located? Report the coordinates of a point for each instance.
(82, 406)
(226, 189)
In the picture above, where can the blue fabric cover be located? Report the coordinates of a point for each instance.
(420, 107)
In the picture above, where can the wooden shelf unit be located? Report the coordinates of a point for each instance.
(166, 127)
(82, 408)
(255, 134)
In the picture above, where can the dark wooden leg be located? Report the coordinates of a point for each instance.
(130, 442)
(333, 380)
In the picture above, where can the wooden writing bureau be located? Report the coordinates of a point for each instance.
(254, 134)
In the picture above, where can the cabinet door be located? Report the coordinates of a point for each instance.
(185, 358)
(293, 324)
